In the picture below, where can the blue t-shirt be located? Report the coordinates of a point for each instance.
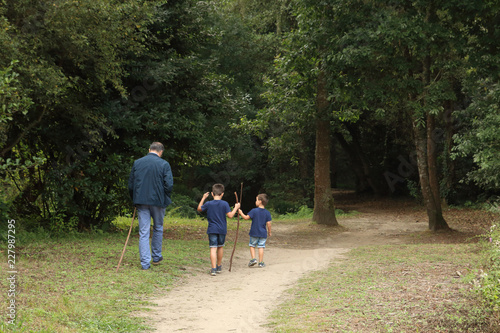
(216, 216)
(259, 216)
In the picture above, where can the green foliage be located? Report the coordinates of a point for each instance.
(105, 79)
(70, 54)
(479, 137)
(182, 206)
(85, 86)
(12, 99)
(488, 282)
(285, 207)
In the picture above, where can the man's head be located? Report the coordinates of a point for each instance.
(263, 199)
(156, 147)
(217, 190)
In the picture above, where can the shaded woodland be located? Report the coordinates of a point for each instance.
(290, 97)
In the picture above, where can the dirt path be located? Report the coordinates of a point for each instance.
(240, 301)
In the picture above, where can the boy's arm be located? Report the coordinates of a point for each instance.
(268, 228)
(235, 209)
(245, 217)
(205, 196)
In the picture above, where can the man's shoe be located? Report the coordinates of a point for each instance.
(213, 271)
(218, 270)
(252, 262)
(261, 264)
(157, 262)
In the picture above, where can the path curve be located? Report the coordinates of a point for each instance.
(241, 300)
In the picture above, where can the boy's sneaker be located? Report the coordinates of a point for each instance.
(213, 271)
(261, 264)
(218, 270)
(252, 262)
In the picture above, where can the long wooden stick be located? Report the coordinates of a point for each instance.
(237, 227)
(129, 231)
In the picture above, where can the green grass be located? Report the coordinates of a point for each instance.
(70, 284)
(174, 222)
(307, 213)
(397, 288)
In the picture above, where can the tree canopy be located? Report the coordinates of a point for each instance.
(291, 97)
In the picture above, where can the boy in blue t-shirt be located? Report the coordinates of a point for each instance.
(217, 210)
(261, 227)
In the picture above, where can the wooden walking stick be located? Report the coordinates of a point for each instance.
(237, 227)
(130, 230)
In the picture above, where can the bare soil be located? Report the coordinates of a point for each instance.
(240, 300)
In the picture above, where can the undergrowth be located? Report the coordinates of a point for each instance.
(487, 284)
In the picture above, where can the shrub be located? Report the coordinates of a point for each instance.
(488, 283)
(182, 206)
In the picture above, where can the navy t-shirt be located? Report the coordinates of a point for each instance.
(216, 216)
(259, 216)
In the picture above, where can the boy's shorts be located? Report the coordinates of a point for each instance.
(216, 240)
(257, 241)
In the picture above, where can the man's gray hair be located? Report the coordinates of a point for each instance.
(157, 146)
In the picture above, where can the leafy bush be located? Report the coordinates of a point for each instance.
(285, 207)
(303, 212)
(182, 206)
(488, 283)
(479, 139)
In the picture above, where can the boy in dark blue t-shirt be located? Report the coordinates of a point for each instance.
(261, 227)
(217, 210)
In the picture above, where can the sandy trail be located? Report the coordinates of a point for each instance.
(241, 300)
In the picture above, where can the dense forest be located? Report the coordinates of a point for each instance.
(289, 97)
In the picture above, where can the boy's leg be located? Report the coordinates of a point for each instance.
(158, 213)
(144, 217)
(212, 242)
(260, 246)
(220, 252)
(261, 254)
(252, 252)
(252, 243)
(213, 256)
(221, 240)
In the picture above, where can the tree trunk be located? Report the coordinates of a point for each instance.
(427, 179)
(324, 210)
(432, 161)
(427, 154)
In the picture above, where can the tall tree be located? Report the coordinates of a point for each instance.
(106, 79)
(324, 210)
(402, 57)
(479, 124)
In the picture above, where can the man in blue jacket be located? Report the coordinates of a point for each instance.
(150, 185)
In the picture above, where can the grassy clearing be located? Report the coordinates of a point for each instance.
(404, 288)
(69, 284)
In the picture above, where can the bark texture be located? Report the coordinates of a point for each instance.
(324, 209)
